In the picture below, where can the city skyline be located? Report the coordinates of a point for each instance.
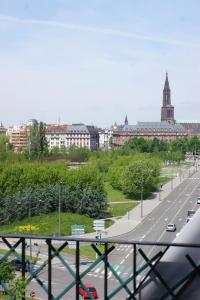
(95, 62)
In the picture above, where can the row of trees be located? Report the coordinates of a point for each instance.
(141, 145)
(44, 200)
(80, 191)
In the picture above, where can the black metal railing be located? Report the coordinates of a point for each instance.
(148, 262)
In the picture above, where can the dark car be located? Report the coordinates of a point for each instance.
(85, 294)
(17, 263)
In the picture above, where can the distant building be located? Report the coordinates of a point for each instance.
(148, 130)
(192, 127)
(78, 135)
(18, 137)
(2, 129)
(105, 138)
(166, 130)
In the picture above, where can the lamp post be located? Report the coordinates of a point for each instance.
(59, 210)
(30, 226)
(141, 198)
(172, 180)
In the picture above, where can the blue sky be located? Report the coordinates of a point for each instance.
(94, 61)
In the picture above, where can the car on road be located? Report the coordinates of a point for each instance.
(17, 263)
(85, 294)
(198, 200)
(171, 227)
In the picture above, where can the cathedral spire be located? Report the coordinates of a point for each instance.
(126, 120)
(166, 87)
(167, 110)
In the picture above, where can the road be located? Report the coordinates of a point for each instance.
(173, 209)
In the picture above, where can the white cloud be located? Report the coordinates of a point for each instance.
(100, 30)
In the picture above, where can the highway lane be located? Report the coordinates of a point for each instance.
(173, 209)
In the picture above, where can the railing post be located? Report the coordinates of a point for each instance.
(134, 266)
(106, 272)
(77, 269)
(49, 270)
(23, 262)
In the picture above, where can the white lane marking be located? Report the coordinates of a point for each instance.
(127, 256)
(174, 217)
(97, 270)
(166, 219)
(123, 260)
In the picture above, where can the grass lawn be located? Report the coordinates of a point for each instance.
(113, 194)
(120, 209)
(173, 170)
(48, 225)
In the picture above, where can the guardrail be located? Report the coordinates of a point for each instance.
(132, 286)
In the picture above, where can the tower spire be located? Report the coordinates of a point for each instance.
(126, 120)
(167, 110)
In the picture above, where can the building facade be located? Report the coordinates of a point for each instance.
(105, 138)
(18, 137)
(148, 130)
(77, 135)
(192, 127)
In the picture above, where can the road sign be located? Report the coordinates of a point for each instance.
(32, 294)
(99, 225)
(76, 231)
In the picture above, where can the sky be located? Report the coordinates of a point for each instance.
(94, 61)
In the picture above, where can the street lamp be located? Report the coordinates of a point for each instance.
(141, 200)
(30, 225)
(59, 209)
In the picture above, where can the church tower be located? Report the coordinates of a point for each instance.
(167, 110)
(126, 121)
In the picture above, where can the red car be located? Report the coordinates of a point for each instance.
(85, 294)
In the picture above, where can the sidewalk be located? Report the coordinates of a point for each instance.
(133, 218)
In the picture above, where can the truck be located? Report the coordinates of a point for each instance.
(190, 213)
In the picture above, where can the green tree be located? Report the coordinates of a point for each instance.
(141, 177)
(38, 145)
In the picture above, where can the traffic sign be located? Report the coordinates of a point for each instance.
(76, 231)
(99, 225)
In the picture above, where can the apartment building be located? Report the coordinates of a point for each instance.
(18, 137)
(77, 135)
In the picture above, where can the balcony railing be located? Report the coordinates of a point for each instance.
(149, 269)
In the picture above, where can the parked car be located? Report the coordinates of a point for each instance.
(171, 227)
(85, 294)
(17, 263)
(198, 200)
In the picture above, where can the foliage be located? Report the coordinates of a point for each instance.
(38, 145)
(141, 176)
(18, 288)
(75, 154)
(7, 271)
